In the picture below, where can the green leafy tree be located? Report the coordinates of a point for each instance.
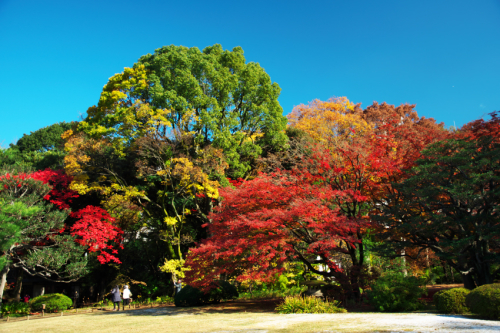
(38, 150)
(450, 203)
(212, 94)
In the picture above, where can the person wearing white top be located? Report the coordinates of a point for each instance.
(126, 296)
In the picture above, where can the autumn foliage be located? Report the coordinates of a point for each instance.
(93, 226)
(270, 220)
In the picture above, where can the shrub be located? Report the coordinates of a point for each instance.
(15, 308)
(451, 300)
(222, 290)
(53, 302)
(191, 296)
(394, 292)
(485, 301)
(308, 304)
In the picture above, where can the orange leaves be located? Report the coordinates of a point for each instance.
(330, 122)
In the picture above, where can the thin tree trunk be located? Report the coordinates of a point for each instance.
(4, 273)
(19, 285)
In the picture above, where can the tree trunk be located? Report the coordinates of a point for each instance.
(19, 285)
(4, 273)
(468, 281)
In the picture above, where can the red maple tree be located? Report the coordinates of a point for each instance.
(93, 226)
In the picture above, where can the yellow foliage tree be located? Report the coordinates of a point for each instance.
(329, 122)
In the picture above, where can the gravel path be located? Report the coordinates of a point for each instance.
(362, 322)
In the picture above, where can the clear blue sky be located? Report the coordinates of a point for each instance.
(441, 55)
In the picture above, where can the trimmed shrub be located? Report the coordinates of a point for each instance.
(485, 301)
(53, 302)
(395, 292)
(308, 304)
(15, 308)
(222, 290)
(191, 296)
(451, 300)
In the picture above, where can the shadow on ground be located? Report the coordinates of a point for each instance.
(259, 306)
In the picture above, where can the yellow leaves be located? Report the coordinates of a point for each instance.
(329, 121)
(188, 179)
(176, 267)
(66, 134)
(170, 221)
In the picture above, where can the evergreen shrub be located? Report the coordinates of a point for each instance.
(451, 300)
(485, 301)
(53, 302)
(191, 296)
(395, 292)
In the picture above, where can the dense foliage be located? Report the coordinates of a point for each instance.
(485, 301)
(451, 300)
(186, 169)
(192, 296)
(53, 302)
(449, 203)
(396, 292)
(310, 304)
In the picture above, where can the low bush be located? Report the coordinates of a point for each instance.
(15, 308)
(451, 300)
(191, 296)
(485, 301)
(395, 292)
(308, 304)
(222, 290)
(53, 302)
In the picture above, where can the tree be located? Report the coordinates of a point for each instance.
(274, 219)
(44, 139)
(39, 234)
(331, 122)
(38, 150)
(213, 94)
(449, 203)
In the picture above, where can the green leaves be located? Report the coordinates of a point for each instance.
(213, 95)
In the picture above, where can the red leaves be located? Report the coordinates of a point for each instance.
(59, 195)
(259, 225)
(94, 228)
(236, 182)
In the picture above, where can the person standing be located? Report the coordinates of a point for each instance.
(115, 298)
(178, 286)
(126, 296)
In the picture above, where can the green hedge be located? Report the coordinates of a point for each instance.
(53, 302)
(451, 300)
(485, 301)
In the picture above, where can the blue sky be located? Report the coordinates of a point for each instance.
(440, 55)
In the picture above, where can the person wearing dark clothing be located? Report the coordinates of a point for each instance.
(115, 298)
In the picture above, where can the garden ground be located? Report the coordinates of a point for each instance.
(249, 316)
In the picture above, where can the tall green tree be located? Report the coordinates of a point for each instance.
(450, 203)
(213, 94)
(38, 150)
